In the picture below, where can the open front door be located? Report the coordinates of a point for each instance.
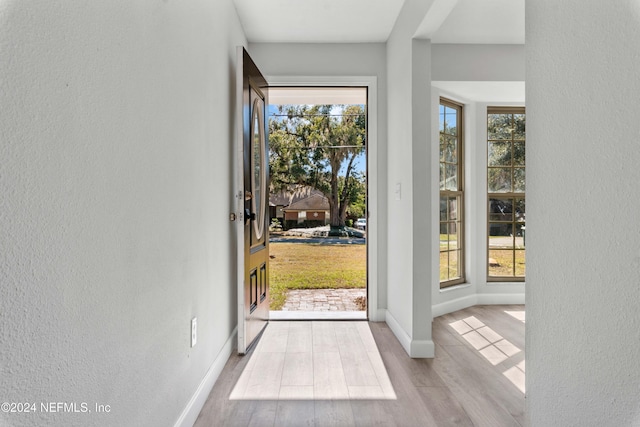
(253, 203)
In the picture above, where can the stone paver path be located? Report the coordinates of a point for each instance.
(323, 299)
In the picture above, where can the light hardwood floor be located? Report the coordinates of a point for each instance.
(476, 379)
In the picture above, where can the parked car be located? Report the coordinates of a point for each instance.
(361, 224)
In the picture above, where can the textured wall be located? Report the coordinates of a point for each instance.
(583, 237)
(115, 138)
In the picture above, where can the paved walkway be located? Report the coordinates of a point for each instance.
(323, 300)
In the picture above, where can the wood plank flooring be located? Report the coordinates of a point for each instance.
(476, 379)
(315, 360)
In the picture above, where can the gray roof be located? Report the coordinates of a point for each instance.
(287, 198)
(315, 202)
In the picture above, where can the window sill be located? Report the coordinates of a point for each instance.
(497, 282)
(455, 287)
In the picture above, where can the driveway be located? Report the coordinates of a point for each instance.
(320, 240)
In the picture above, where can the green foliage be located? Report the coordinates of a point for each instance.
(449, 148)
(506, 152)
(310, 145)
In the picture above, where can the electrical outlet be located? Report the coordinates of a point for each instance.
(194, 331)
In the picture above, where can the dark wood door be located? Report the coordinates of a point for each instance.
(254, 289)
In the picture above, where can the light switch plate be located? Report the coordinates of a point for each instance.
(194, 331)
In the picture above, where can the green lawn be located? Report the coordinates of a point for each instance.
(313, 266)
(503, 266)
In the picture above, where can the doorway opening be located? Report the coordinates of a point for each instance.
(318, 213)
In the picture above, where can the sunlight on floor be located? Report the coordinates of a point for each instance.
(516, 375)
(520, 314)
(492, 346)
(314, 361)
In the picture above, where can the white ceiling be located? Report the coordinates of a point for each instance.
(482, 22)
(356, 21)
(361, 21)
(318, 21)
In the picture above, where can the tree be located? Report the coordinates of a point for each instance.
(316, 146)
(506, 134)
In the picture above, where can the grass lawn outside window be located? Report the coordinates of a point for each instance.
(314, 266)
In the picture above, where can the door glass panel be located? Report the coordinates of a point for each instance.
(258, 167)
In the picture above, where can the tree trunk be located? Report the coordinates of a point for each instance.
(336, 217)
(344, 199)
(337, 221)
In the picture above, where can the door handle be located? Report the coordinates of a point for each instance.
(248, 215)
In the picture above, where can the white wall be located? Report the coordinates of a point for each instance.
(478, 62)
(115, 142)
(583, 326)
(344, 60)
(410, 209)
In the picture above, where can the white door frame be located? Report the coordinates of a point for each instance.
(371, 83)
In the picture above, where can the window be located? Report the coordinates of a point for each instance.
(506, 193)
(451, 194)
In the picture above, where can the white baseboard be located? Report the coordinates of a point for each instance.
(401, 335)
(500, 299)
(454, 305)
(193, 408)
(424, 349)
(476, 299)
(414, 348)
